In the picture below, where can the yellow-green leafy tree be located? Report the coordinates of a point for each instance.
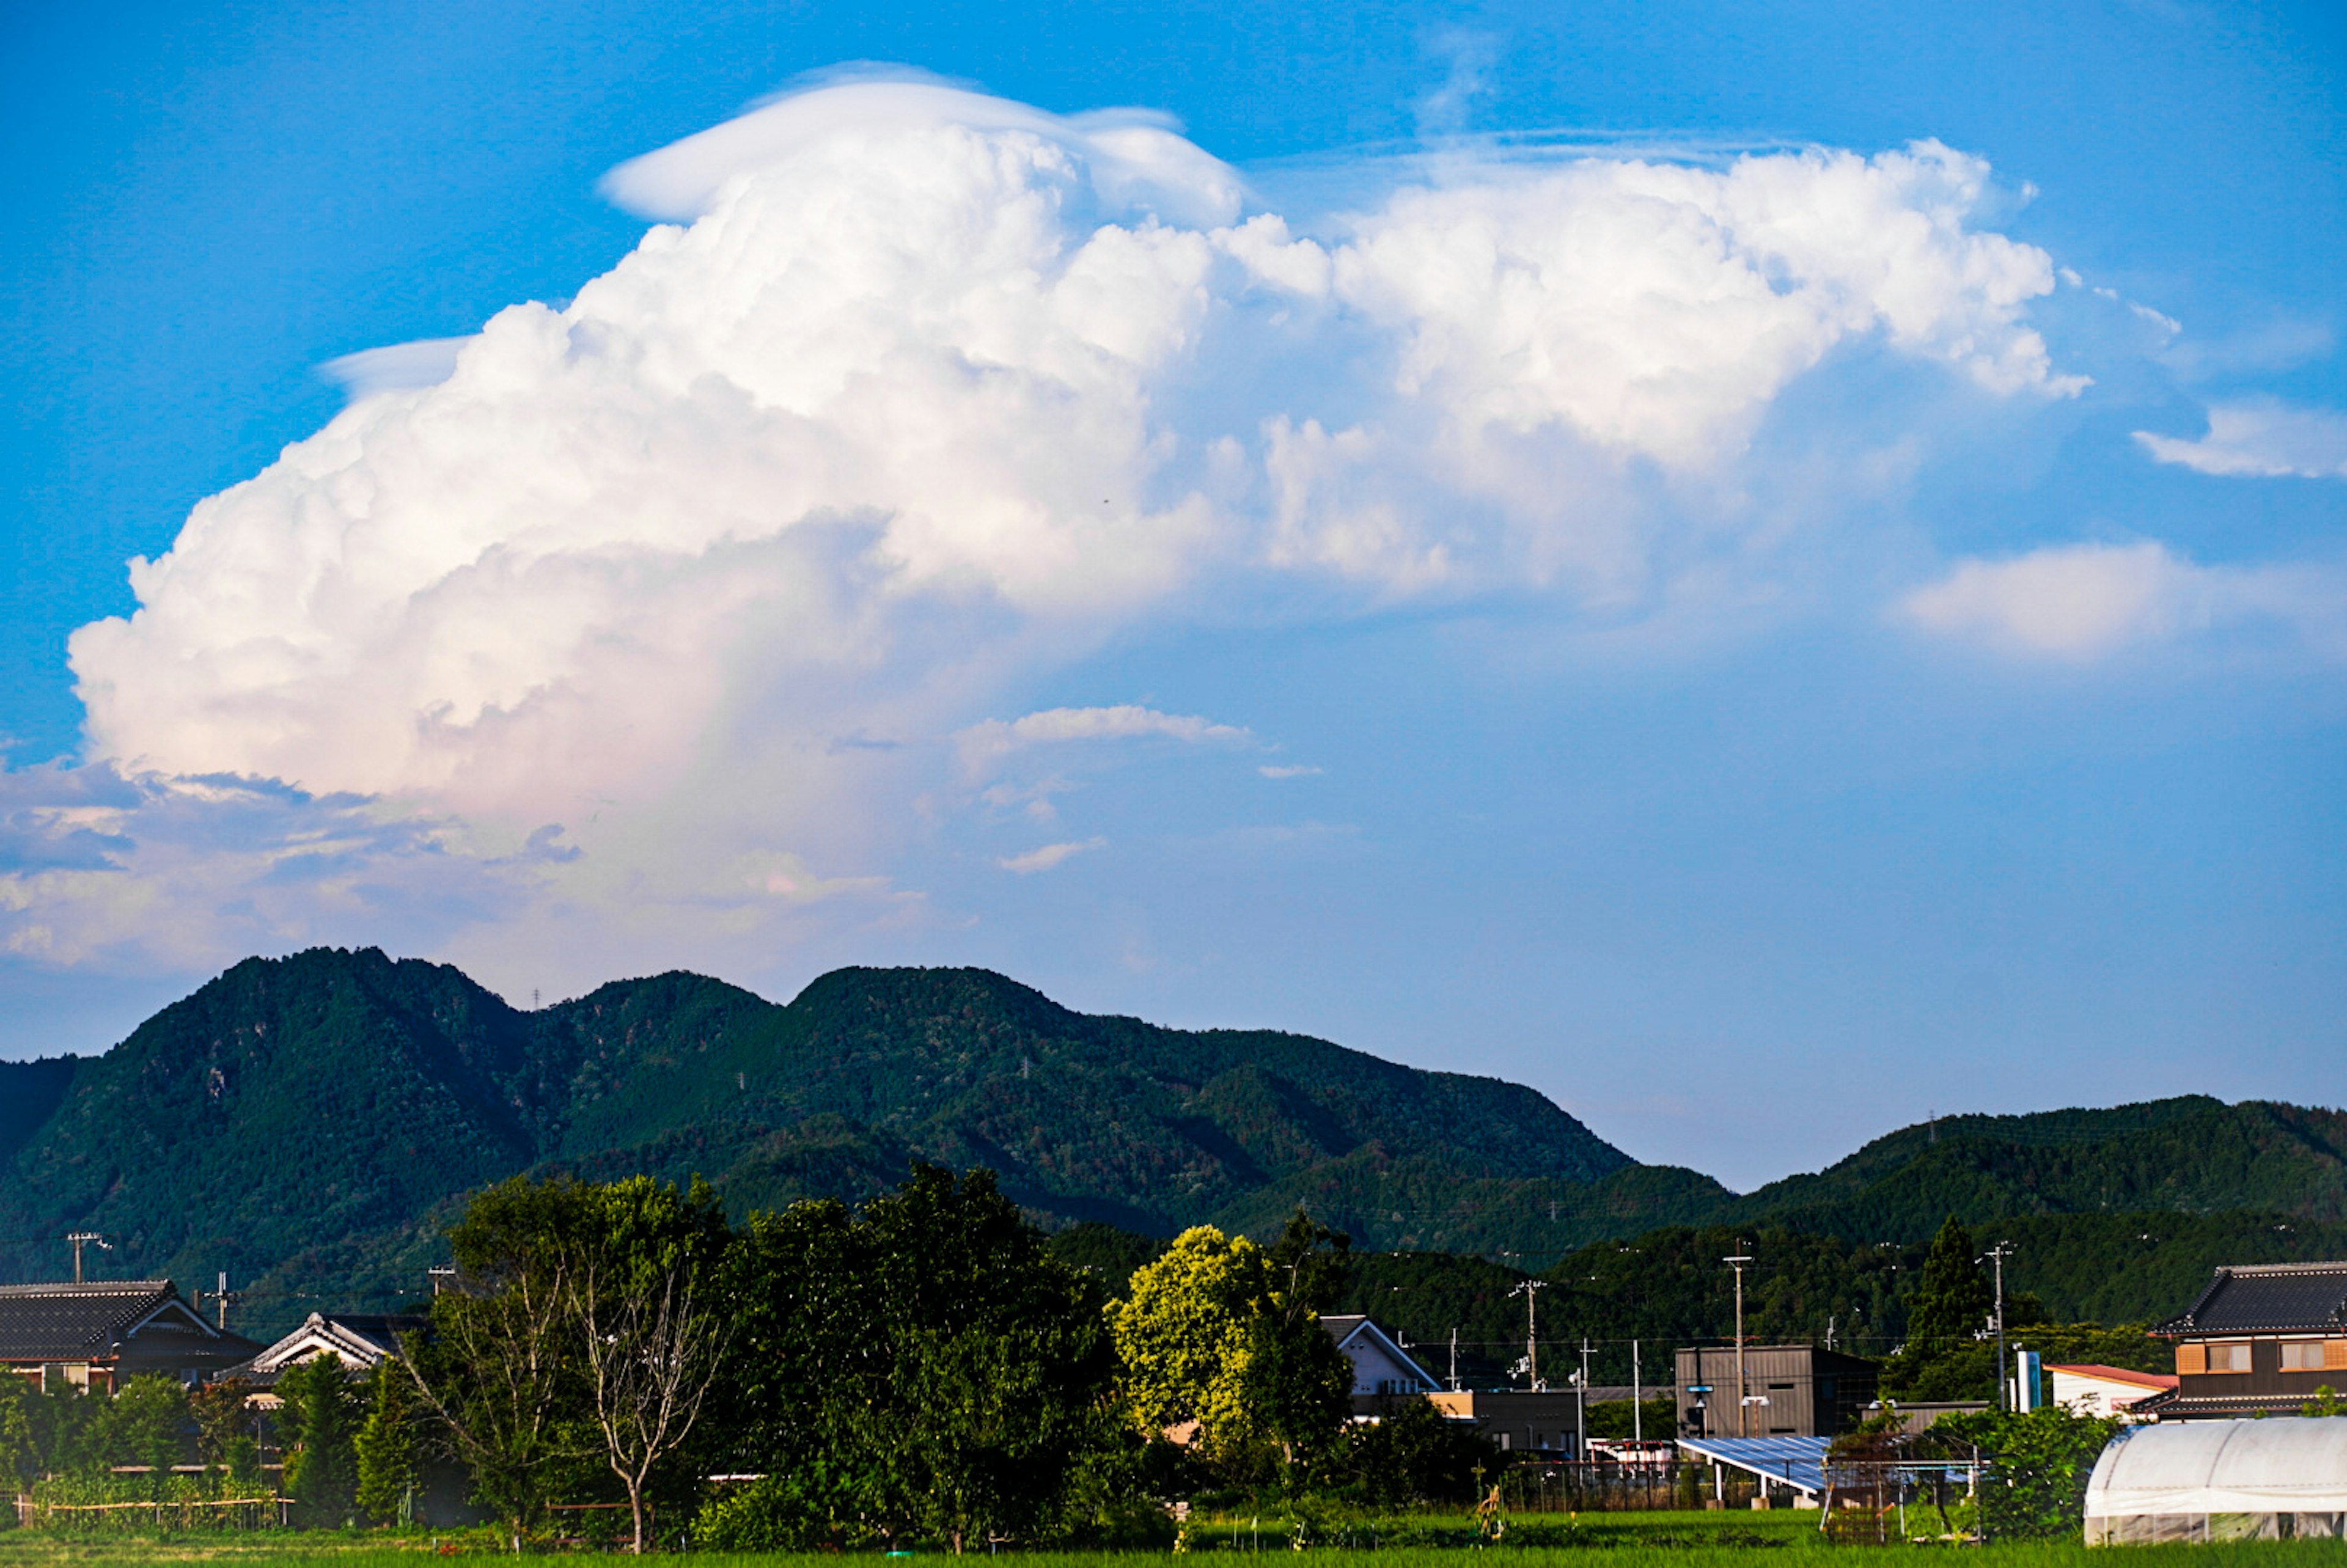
(1208, 1336)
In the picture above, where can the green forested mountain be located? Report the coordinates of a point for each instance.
(305, 1122)
(2191, 1154)
(308, 1123)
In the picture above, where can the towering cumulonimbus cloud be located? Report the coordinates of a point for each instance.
(916, 394)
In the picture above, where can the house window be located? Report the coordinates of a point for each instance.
(2301, 1355)
(2231, 1356)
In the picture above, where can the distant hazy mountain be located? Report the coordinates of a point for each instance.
(309, 1124)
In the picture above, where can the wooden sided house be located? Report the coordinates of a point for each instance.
(95, 1336)
(2260, 1340)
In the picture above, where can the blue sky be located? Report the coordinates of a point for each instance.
(1844, 618)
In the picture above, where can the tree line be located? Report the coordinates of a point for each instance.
(922, 1366)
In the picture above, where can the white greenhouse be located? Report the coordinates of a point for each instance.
(2219, 1480)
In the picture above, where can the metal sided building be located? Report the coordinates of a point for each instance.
(1789, 1390)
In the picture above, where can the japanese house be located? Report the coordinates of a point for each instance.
(2260, 1340)
(95, 1336)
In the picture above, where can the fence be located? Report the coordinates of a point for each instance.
(178, 1513)
(1604, 1486)
(1874, 1503)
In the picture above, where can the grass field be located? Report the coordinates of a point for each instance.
(1618, 1540)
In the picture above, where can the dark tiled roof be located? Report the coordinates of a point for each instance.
(2267, 1299)
(74, 1322)
(2171, 1407)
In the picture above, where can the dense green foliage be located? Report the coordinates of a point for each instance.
(2040, 1463)
(1670, 1540)
(920, 1366)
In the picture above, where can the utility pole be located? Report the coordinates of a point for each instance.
(1530, 1290)
(224, 1297)
(1580, 1404)
(1637, 1400)
(1997, 1256)
(1743, 1411)
(1454, 1359)
(78, 1238)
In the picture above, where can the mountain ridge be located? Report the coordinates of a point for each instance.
(308, 1120)
(310, 1124)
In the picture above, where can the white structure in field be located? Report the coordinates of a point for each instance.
(2219, 1480)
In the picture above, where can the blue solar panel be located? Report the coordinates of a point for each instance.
(1797, 1463)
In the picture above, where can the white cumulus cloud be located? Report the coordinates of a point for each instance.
(916, 396)
(2262, 439)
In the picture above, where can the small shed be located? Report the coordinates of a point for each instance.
(2220, 1480)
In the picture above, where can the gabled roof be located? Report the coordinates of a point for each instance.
(2267, 1298)
(1350, 1328)
(84, 1322)
(2096, 1369)
(360, 1339)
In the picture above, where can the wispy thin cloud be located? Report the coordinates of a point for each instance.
(984, 746)
(1048, 857)
(2260, 439)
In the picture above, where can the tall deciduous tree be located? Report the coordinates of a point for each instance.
(18, 1455)
(650, 1332)
(499, 1368)
(144, 1421)
(996, 1360)
(1209, 1336)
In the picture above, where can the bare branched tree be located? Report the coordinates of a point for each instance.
(651, 1358)
(497, 1370)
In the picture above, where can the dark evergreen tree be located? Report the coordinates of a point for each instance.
(385, 1446)
(1311, 1264)
(223, 1417)
(1954, 1300)
(315, 1425)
